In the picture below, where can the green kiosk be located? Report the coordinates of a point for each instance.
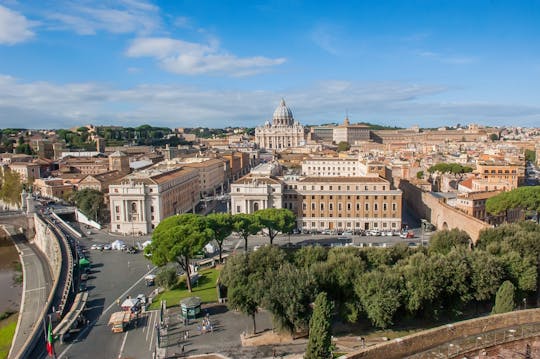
(191, 307)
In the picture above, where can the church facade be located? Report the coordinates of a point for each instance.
(283, 133)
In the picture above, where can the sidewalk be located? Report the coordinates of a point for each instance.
(224, 338)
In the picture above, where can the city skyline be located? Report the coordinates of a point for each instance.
(191, 64)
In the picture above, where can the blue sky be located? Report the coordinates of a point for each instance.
(228, 63)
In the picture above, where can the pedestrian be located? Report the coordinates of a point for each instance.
(187, 334)
(363, 342)
(118, 301)
(183, 350)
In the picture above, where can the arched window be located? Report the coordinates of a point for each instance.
(133, 207)
(256, 206)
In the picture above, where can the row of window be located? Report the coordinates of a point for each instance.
(349, 206)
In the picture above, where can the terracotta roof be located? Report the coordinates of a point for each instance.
(167, 176)
(467, 183)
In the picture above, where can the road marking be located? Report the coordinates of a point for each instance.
(104, 312)
(238, 244)
(122, 347)
(152, 335)
(34, 289)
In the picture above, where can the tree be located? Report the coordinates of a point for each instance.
(420, 174)
(275, 220)
(245, 225)
(487, 275)
(343, 146)
(530, 156)
(287, 293)
(177, 239)
(443, 241)
(505, 299)
(526, 198)
(90, 202)
(167, 277)
(380, 294)
(10, 187)
(242, 291)
(320, 330)
(222, 226)
(494, 137)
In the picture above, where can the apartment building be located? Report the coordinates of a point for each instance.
(474, 204)
(333, 166)
(492, 176)
(142, 199)
(343, 203)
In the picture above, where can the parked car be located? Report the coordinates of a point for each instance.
(107, 247)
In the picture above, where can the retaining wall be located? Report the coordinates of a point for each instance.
(44, 239)
(418, 342)
(443, 216)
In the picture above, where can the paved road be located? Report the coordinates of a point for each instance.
(37, 285)
(114, 276)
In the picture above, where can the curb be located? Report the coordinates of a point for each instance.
(21, 307)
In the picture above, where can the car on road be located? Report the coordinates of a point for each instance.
(347, 234)
(97, 247)
(107, 247)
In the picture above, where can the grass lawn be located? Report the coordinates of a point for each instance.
(7, 330)
(205, 289)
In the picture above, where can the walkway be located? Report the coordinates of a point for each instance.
(36, 288)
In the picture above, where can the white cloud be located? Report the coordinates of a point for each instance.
(88, 18)
(190, 58)
(448, 59)
(14, 27)
(326, 37)
(47, 105)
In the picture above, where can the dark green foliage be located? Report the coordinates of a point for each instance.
(530, 156)
(420, 174)
(444, 241)
(245, 225)
(276, 220)
(382, 285)
(10, 187)
(177, 239)
(505, 299)
(494, 137)
(288, 291)
(320, 330)
(380, 293)
(90, 202)
(343, 146)
(453, 168)
(222, 226)
(167, 277)
(526, 198)
(24, 148)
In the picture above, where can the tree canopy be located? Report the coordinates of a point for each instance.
(320, 330)
(177, 239)
(505, 299)
(245, 225)
(90, 202)
(453, 168)
(526, 198)
(222, 226)
(276, 220)
(10, 187)
(343, 146)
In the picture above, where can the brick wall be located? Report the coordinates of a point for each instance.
(418, 342)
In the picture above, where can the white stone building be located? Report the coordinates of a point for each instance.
(284, 132)
(251, 193)
(142, 199)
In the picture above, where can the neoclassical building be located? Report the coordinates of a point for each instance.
(284, 132)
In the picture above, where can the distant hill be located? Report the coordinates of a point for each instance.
(371, 126)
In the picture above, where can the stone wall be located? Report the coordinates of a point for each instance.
(48, 244)
(418, 342)
(443, 216)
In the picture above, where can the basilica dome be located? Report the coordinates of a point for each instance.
(282, 115)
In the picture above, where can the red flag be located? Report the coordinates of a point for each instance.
(50, 348)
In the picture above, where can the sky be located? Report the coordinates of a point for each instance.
(226, 63)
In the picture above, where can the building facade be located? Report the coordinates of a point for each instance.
(252, 192)
(141, 200)
(493, 176)
(333, 166)
(284, 132)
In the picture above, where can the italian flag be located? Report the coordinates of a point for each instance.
(50, 349)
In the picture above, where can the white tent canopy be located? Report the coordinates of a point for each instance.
(118, 244)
